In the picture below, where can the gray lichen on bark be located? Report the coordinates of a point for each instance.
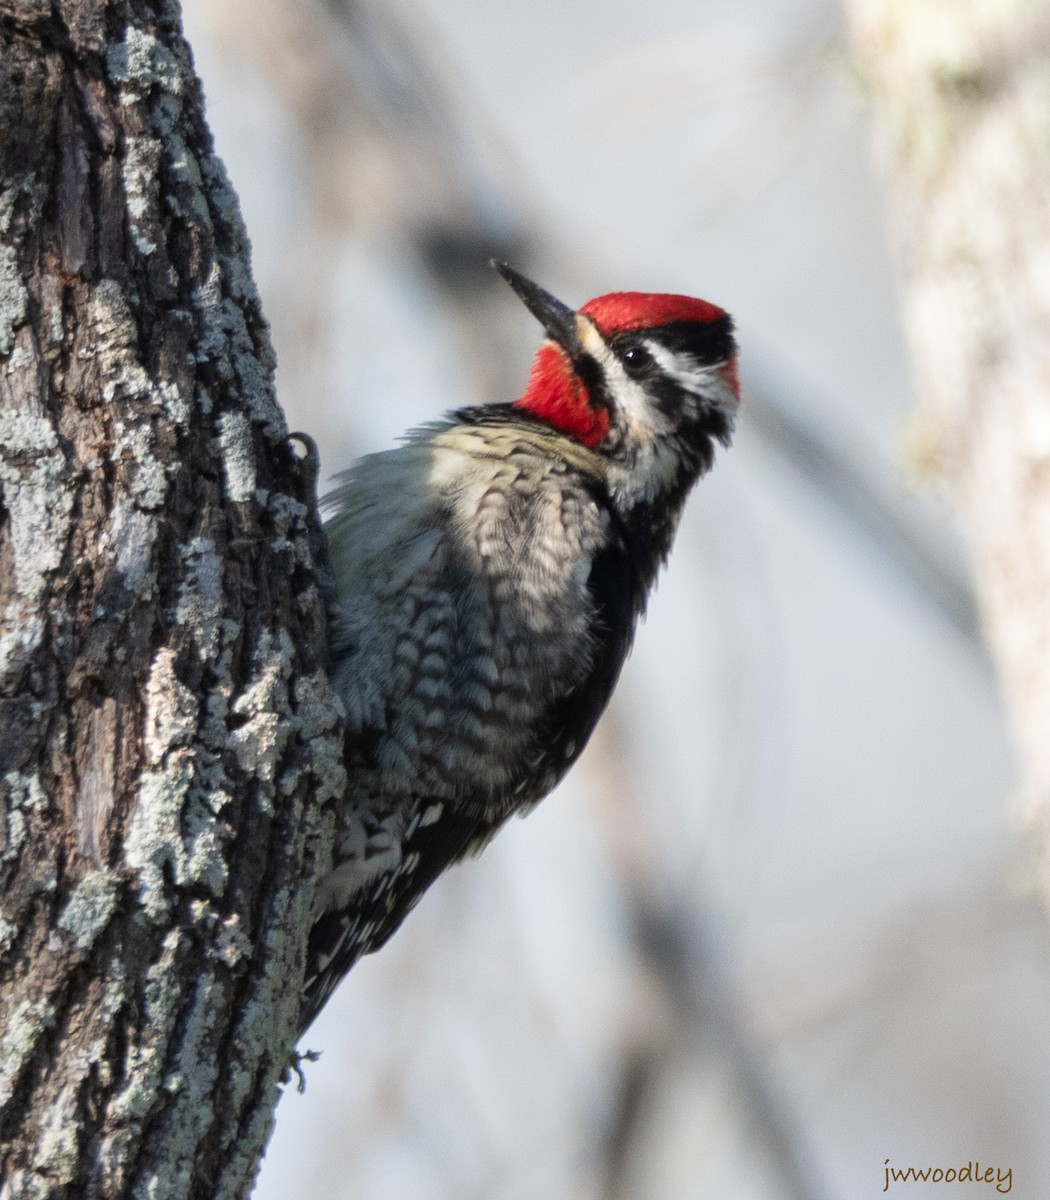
(168, 739)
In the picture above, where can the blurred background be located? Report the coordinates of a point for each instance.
(781, 923)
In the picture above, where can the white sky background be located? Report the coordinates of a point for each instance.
(806, 762)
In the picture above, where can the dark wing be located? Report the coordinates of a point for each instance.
(618, 593)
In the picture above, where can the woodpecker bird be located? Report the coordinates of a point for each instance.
(489, 574)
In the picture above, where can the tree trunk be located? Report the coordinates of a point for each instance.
(167, 734)
(962, 95)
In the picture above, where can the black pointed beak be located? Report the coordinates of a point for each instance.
(556, 318)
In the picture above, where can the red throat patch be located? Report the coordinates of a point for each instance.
(643, 310)
(557, 395)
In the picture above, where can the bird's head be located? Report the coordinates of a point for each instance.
(646, 380)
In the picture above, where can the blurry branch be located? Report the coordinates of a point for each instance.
(390, 142)
(709, 1017)
(960, 94)
(874, 506)
(395, 152)
(692, 1014)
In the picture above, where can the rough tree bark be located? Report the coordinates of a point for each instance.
(167, 735)
(962, 96)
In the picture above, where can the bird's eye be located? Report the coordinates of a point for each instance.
(637, 360)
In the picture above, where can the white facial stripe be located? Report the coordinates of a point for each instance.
(654, 463)
(633, 405)
(690, 375)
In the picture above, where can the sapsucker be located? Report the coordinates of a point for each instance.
(489, 574)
